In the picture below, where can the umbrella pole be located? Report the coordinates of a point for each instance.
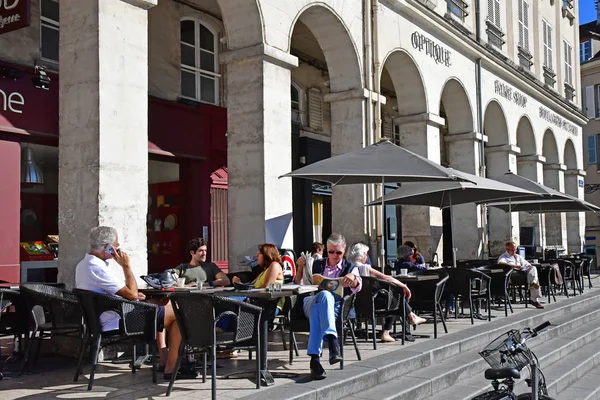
(510, 219)
(452, 229)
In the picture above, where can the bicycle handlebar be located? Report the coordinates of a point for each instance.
(541, 327)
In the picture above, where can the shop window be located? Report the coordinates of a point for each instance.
(49, 24)
(458, 8)
(297, 101)
(199, 62)
(585, 50)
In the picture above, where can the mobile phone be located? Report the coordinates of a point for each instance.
(109, 249)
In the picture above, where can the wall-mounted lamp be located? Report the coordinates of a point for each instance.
(30, 172)
(11, 73)
(41, 80)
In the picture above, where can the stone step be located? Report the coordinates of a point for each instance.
(395, 366)
(569, 347)
(585, 388)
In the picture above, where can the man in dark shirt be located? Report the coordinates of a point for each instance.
(198, 270)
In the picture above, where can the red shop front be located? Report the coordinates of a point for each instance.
(186, 145)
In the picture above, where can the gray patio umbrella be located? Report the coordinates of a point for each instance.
(473, 189)
(570, 204)
(378, 163)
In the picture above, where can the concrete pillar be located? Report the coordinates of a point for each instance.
(556, 223)
(575, 220)
(502, 226)
(422, 225)
(259, 149)
(464, 154)
(103, 150)
(348, 213)
(532, 167)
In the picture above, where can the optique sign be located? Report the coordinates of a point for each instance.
(14, 14)
(439, 54)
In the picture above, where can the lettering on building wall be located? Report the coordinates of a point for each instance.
(509, 93)
(14, 14)
(11, 102)
(439, 54)
(557, 120)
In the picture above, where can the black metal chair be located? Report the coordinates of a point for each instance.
(518, 282)
(469, 284)
(586, 266)
(197, 315)
(569, 273)
(282, 321)
(546, 280)
(299, 323)
(365, 309)
(52, 311)
(137, 325)
(11, 323)
(499, 284)
(427, 295)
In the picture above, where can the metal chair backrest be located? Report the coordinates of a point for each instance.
(61, 305)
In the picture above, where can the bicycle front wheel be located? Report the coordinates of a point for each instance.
(527, 396)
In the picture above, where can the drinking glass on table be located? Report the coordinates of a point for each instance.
(201, 282)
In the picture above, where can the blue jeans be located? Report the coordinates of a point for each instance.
(322, 311)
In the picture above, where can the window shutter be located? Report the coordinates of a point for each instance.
(591, 148)
(525, 25)
(521, 22)
(497, 13)
(490, 14)
(549, 30)
(315, 109)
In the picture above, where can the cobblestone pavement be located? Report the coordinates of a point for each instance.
(53, 377)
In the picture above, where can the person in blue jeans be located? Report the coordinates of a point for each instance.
(323, 308)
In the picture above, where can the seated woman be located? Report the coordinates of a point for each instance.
(269, 259)
(357, 255)
(419, 259)
(323, 308)
(406, 259)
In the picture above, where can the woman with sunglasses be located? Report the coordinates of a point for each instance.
(322, 309)
(419, 259)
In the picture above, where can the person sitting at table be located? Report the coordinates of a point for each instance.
(316, 251)
(269, 259)
(513, 259)
(357, 255)
(419, 259)
(406, 260)
(322, 309)
(198, 269)
(93, 273)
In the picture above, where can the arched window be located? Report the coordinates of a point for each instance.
(199, 62)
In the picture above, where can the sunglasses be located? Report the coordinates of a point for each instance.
(339, 253)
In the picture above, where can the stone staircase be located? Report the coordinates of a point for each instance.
(450, 367)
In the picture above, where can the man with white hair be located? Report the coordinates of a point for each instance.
(513, 259)
(92, 273)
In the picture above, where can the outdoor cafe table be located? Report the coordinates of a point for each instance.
(262, 298)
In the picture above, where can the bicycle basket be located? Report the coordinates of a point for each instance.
(500, 353)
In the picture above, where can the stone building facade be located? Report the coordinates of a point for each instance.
(484, 86)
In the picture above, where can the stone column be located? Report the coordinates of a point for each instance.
(464, 154)
(423, 225)
(556, 223)
(349, 215)
(103, 150)
(259, 149)
(502, 226)
(575, 220)
(532, 167)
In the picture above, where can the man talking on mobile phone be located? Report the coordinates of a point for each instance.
(92, 273)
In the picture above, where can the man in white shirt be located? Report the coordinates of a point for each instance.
(513, 259)
(92, 273)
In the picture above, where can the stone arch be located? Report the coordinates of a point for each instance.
(408, 82)
(526, 137)
(456, 108)
(336, 43)
(550, 148)
(494, 124)
(570, 156)
(243, 23)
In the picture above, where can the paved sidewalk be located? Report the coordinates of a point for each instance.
(53, 377)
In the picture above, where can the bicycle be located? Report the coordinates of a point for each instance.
(508, 355)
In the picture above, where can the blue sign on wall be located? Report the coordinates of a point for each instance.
(580, 182)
